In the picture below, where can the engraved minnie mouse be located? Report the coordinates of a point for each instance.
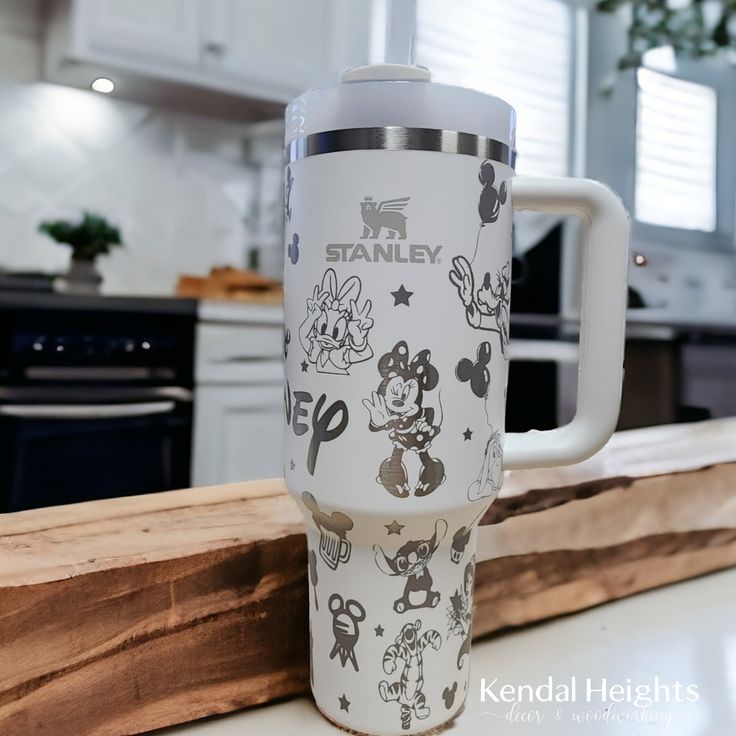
(335, 333)
(396, 407)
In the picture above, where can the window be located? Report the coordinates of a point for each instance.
(675, 152)
(519, 50)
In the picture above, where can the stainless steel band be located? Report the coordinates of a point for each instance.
(397, 138)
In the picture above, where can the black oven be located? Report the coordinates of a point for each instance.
(95, 401)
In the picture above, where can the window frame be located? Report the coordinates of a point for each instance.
(575, 151)
(649, 229)
(577, 131)
(710, 73)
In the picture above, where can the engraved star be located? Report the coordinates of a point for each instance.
(379, 630)
(394, 527)
(401, 296)
(467, 434)
(305, 365)
(292, 464)
(344, 703)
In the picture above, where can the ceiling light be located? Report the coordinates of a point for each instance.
(103, 85)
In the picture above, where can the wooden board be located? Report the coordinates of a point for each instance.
(125, 615)
(231, 284)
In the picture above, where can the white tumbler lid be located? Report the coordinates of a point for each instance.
(385, 95)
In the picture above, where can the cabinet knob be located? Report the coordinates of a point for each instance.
(215, 48)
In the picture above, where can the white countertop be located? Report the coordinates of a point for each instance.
(684, 632)
(211, 310)
(659, 323)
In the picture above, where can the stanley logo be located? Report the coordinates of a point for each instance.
(384, 221)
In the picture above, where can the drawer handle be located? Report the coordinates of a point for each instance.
(84, 411)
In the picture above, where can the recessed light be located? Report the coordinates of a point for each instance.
(103, 85)
(640, 259)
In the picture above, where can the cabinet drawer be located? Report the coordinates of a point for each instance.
(239, 353)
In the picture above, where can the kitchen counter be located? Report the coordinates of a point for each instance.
(685, 632)
(656, 323)
(693, 321)
(31, 300)
(237, 312)
(207, 310)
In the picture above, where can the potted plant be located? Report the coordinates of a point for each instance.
(90, 237)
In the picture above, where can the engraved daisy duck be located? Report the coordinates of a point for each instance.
(335, 333)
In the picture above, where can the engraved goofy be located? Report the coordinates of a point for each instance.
(407, 690)
(487, 305)
(396, 407)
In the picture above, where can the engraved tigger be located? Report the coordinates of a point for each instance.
(407, 691)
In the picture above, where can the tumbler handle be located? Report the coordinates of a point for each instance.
(602, 320)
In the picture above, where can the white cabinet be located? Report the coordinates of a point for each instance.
(238, 433)
(163, 30)
(239, 395)
(269, 50)
(280, 44)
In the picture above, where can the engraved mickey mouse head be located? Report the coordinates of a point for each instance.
(293, 249)
(491, 199)
(346, 615)
(448, 695)
(476, 372)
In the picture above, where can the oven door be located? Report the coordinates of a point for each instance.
(542, 387)
(63, 452)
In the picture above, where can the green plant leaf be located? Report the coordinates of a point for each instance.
(93, 235)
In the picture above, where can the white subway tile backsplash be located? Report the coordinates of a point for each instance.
(172, 183)
(53, 165)
(20, 127)
(18, 197)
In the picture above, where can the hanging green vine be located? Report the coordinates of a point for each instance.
(694, 28)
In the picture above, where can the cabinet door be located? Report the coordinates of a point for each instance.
(168, 30)
(284, 46)
(238, 433)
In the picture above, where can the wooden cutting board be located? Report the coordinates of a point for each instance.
(125, 615)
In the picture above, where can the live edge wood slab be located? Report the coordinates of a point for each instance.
(121, 616)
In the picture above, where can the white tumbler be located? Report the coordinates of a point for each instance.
(399, 201)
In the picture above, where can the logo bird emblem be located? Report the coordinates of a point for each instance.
(387, 215)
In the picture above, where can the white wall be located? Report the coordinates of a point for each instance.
(20, 39)
(687, 269)
(176, 185)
